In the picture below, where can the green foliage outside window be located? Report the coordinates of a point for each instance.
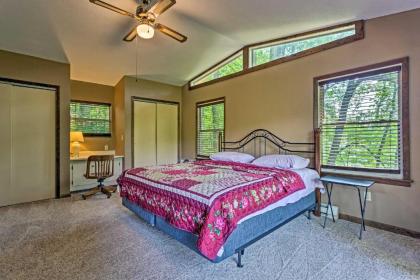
(211, 122)
(360, 122)
(270, 53)
(90, 118)
(232, 67)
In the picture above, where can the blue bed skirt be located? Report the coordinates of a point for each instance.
(245, 234)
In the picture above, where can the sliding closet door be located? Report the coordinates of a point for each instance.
(167, 133)
(5, 143)
(144, 133)
(31, 152)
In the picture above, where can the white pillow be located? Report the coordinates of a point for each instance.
(233, 157)
(282, 161)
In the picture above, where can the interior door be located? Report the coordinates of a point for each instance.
(32, 145)
(167, 133)
(144, 134)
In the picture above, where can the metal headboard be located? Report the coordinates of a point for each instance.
(262, 142)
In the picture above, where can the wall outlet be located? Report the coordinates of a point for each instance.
(106, 147)
(369, 196)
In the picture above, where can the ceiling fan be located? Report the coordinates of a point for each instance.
(146, 14)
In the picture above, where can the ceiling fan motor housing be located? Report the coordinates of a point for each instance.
(145, 6)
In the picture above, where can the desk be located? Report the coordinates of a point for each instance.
(347, 182)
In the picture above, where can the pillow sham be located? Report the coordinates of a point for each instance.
(233, 157)
(282, 161)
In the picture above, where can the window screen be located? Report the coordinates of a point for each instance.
(210, 124)
(93, 119)
(360, 121)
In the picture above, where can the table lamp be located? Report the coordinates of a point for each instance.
(76, 137)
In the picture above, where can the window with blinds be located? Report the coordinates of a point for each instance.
(360, 121)
(93, 119)
(210, 125)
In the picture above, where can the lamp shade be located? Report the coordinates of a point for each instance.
(76, 136)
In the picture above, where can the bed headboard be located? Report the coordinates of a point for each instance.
(262, 142)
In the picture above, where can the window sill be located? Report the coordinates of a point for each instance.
(386, 181)
(93, 135)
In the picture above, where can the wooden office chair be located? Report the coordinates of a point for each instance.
(100, 168)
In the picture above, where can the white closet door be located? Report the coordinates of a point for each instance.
(32, 149)
(5, 143)
(167, 133)
(144, 134)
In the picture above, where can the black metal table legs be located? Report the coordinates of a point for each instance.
(362, 204)
(362, 211)
(329, 205)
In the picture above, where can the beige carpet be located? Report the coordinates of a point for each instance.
(100, 239)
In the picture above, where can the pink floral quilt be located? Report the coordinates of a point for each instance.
(207, 198)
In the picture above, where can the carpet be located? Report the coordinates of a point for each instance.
(100, 239)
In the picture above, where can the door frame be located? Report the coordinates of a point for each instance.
(56, 89)
(150, 100)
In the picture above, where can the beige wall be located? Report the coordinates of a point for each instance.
(95, 93)
(31, 69)
(281, 99)
(119, 117)
(124, 91)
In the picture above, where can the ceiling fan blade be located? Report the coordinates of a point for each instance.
(171, 33)
(112, 8)
(161, 6)
(131, 35)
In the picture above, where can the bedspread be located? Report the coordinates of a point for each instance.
(207, 198)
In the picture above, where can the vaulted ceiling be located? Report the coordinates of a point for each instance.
(90, 37)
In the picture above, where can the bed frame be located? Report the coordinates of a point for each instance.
(259, 142)
(262, 142)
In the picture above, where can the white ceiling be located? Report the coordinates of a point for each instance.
(90, 37)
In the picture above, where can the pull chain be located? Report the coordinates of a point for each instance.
(137, 58)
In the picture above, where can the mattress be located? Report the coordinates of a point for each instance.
(312, 182)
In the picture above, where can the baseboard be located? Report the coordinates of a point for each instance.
(382, 226)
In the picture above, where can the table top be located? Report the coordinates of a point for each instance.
(84, 158)
(347, 181)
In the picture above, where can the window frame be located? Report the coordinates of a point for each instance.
(216, 67)
(404, 121)
(199, 105)
(109, 105)
(360, 34)
(299, 37)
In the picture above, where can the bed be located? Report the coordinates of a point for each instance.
(219, 208)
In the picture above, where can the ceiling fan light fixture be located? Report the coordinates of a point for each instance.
(145, 31)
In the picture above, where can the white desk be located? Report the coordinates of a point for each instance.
(78, 167)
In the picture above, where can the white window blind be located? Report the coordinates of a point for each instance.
(360, 121)
(93, 119)
(210, 124)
